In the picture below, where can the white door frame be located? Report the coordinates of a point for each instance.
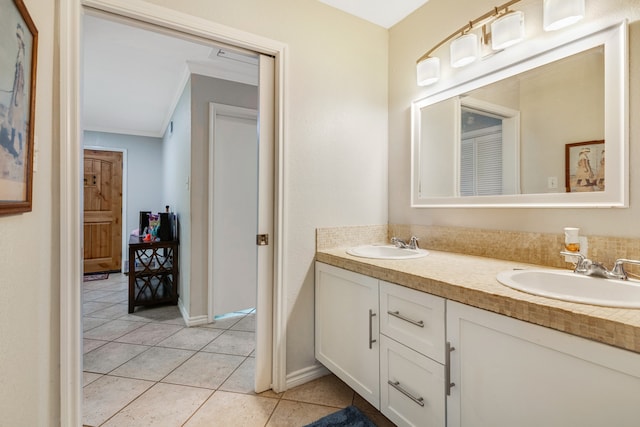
(70, 36)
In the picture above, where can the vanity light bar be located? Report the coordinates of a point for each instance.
(507, 29)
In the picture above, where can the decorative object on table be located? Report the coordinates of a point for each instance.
(18, 59)
(584, 166)
(347, 417)
(165, 230)
(144, 222)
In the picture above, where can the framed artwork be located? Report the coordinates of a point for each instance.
(584, 166)
(18, 58)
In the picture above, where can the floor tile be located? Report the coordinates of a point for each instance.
(243, 379)
(89, 377)
(233, 342)
(113, 297)
(92, 322)
(190, 338)
(112, 330)
(161, 405)
(107, 395)
(207, 370)
(115, 311)
(111, 355)
(231, 409)
(95, 295)
(225, 322)
(149, 334)
(91, 306)
(97, 285)
(166, 313)
(328, 390)
(154, 364)
(111, 287)
(247, 323)
(90, 345)
(296, 414)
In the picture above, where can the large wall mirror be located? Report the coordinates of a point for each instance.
(533, 134)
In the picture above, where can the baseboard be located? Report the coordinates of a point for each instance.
(305, 375)
(191, 321)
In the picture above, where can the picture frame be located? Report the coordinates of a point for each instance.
(585, 166)
(18, 65)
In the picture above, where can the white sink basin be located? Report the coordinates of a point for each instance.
(569, 286)
(386, 252)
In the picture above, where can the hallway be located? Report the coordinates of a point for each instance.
(147, 368)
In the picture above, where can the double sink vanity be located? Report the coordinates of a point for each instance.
(436, 339)
(465, 333)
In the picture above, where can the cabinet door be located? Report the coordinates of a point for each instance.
(416, 319)
(412, 386)
(512, 373)
(347, 328)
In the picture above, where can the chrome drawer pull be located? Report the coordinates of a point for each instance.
(396, 385)
(447, 368)
(397, 314)
(371, 340)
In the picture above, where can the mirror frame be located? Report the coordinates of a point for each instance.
(615, 40)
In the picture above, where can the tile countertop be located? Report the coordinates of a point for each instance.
(472, 280)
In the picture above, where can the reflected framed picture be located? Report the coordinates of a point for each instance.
(584, 166)
(18, 59)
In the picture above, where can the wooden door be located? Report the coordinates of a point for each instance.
(102, 211)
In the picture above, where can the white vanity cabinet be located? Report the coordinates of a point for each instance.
(412, 356)
(385, 341)
(486, 370)
(512, 373)
(346, 328)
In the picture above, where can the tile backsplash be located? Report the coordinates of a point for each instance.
(534, 248)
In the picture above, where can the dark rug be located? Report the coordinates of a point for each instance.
(347, 417)
(95, 276)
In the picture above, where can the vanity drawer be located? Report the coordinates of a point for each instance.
(411, 385)
(416, 319)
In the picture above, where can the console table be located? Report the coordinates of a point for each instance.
(153, 272)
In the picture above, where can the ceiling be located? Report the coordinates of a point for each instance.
(133, 77)
(385, 13)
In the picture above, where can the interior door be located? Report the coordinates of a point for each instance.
(235, 208)
(102, 211)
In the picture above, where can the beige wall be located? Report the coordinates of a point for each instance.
(29, 266)
(418, 33)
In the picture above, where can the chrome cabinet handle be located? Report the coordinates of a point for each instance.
(397, 314)
(447, 369)
(371, 340)
(396, 385)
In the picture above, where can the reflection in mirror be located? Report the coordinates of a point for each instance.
(507, 142)
(511, 135)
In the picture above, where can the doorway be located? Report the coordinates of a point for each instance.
(272, 110)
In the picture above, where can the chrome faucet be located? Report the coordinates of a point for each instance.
(618, 268)
(413, 243)
(588, 267)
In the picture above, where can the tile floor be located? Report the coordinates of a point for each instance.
(148, 369)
